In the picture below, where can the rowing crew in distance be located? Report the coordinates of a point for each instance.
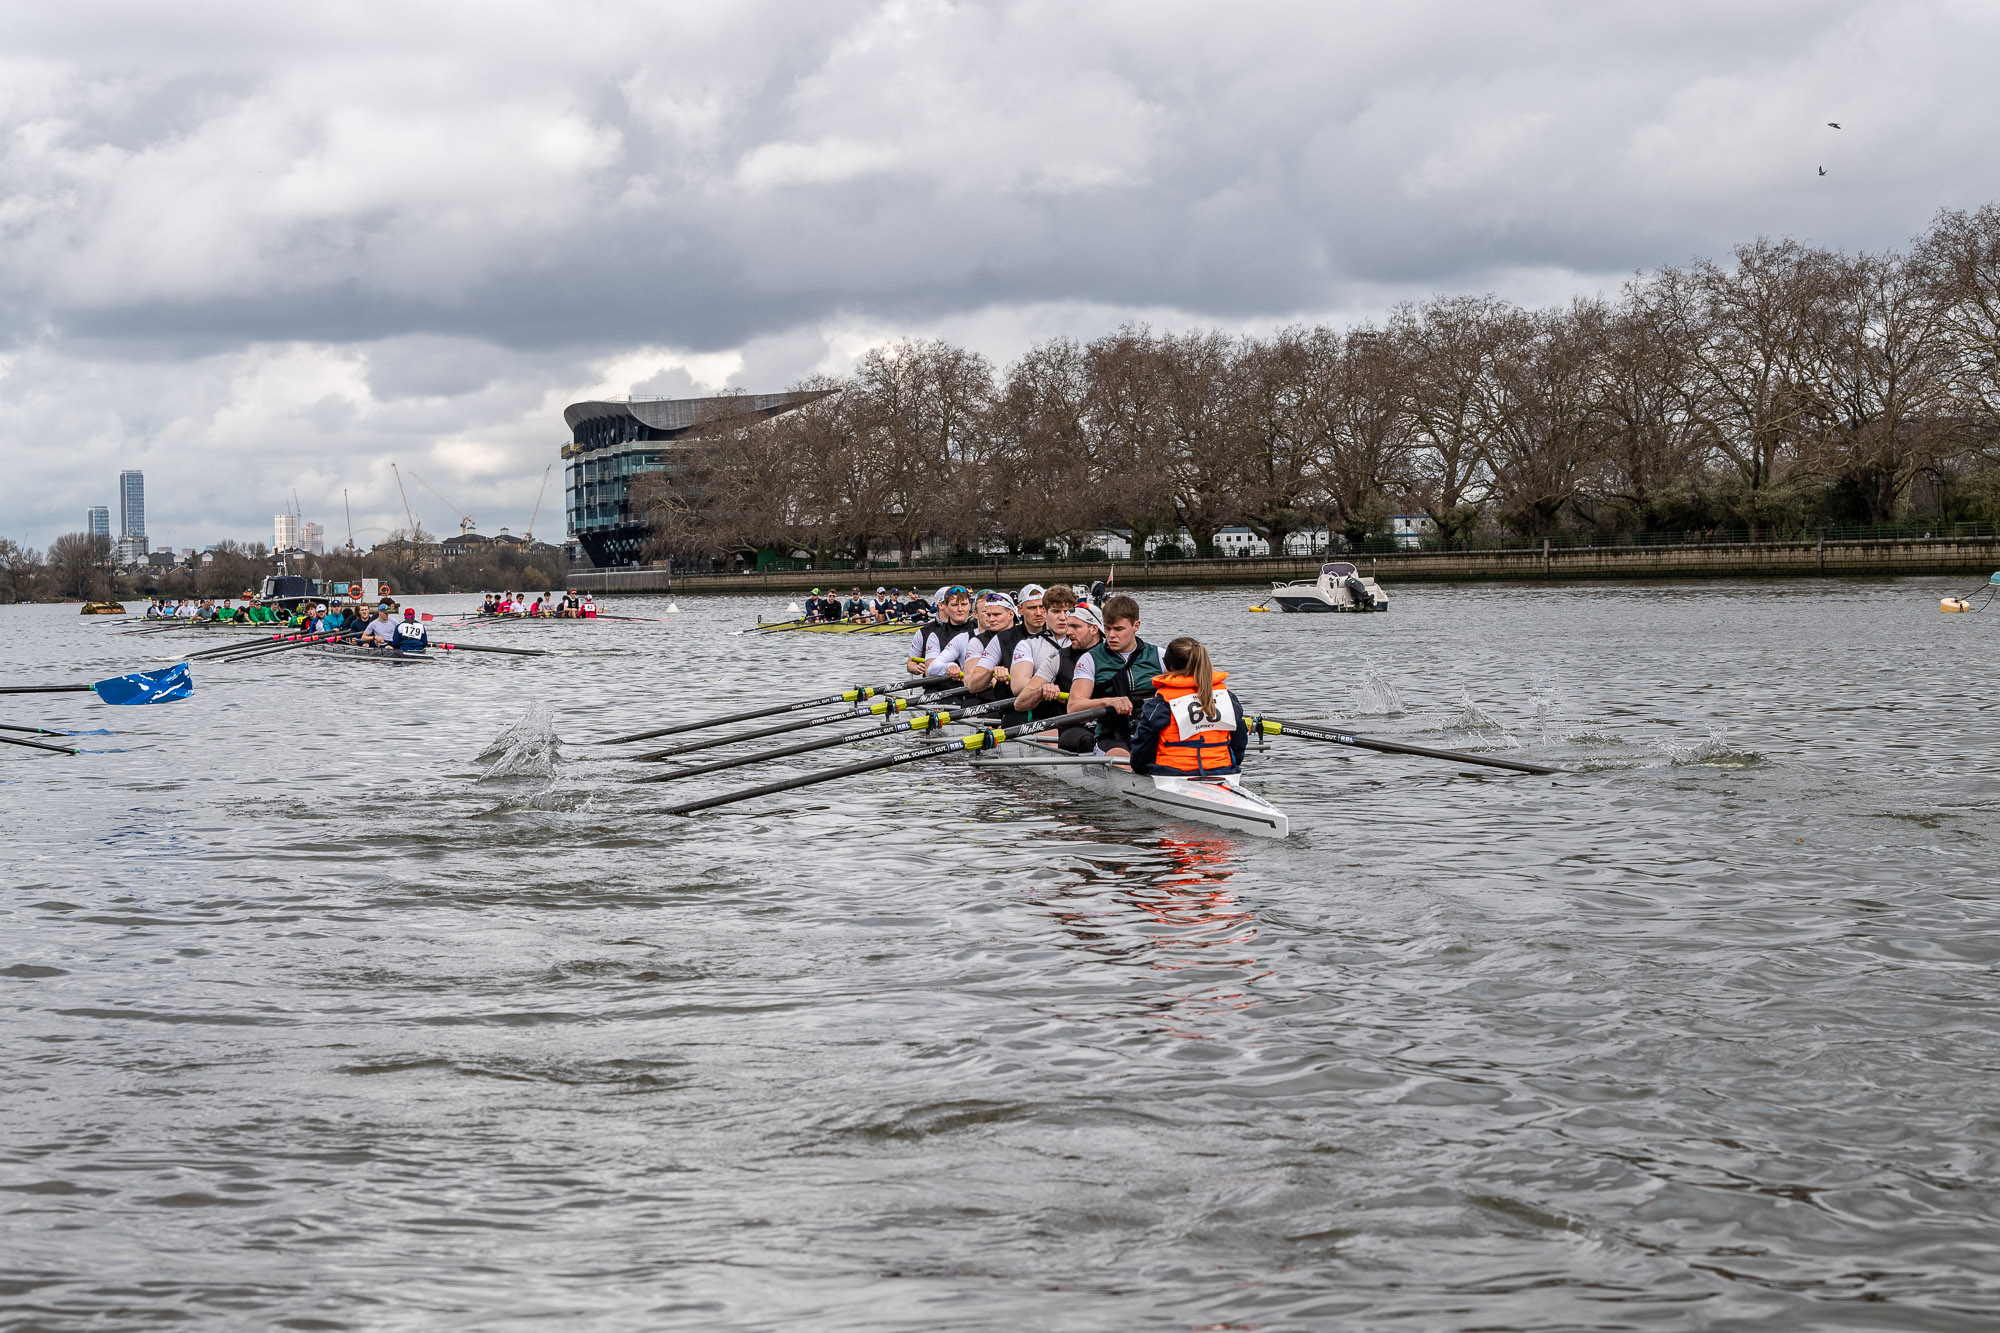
(886, 606)
(570, 606)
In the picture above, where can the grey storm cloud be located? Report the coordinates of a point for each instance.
(225, 217)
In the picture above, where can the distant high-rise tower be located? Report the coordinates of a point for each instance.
(97, 521)
(132, 509)
(285, 529)
(312, 538)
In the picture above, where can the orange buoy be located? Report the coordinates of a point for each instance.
(1954, 604)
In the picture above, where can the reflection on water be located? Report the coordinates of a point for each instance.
(352, 998)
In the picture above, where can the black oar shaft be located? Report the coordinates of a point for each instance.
(44, 689)
(32, 731)
(979, 740)
(922, 722)
(1273, 727)
(738, 737)
(781, 728)
(298, 641)
(37, 745)
(259, 641)
(855, 695)
(481, 648)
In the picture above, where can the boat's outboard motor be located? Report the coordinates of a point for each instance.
(1364, 600)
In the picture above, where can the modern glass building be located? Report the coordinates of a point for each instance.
(615, 440)
(132, 508)
(97, 521)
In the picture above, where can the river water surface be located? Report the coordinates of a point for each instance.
(350, 997)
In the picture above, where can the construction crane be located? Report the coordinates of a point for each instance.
(407, 512)
(538, 502)
(466, 523)
(350, 519)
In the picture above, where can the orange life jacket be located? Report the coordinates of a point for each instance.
(1198, 751)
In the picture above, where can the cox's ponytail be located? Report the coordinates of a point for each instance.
(1189, 657)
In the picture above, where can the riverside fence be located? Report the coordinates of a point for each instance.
(1855, 557)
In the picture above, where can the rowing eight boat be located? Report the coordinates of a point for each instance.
(1222, 801)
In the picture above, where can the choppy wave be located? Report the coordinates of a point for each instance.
(527, 747)
(1712, 751)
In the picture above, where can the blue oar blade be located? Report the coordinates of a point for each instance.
(147, 687)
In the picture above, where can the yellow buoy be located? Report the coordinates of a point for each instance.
(1954, 604)
(1260, 608)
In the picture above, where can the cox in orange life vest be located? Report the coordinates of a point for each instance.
(1191, 725)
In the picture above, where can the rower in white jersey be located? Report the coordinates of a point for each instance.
(937, 634)
(1039, 668)
(967, 659)
(991, 676)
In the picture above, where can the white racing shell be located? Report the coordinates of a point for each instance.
(1222, 802)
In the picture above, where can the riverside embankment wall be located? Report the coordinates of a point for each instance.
(1873, 558)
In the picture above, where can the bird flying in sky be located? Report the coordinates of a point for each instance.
(1822, 171)
(1833, 124)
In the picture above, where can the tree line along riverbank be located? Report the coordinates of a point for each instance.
(1875, 557)
(78, 567)
(1790, 387)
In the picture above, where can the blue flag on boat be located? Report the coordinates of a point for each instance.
(147, 687)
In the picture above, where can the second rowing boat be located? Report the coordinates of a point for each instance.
(355, 652)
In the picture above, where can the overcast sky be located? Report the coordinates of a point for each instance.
(254, 248)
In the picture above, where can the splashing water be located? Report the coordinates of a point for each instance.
(1548, 703)
(1376, 695)
(1480, 723)
(528, 747)
(1714, 751)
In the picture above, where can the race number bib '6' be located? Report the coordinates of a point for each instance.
(1192, 719)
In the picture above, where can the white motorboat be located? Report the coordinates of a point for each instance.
(1222, 801)
(1339, 587)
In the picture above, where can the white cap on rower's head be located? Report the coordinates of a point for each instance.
(881, 590)
(1032, 593)
(990, 596)
(1087, 613)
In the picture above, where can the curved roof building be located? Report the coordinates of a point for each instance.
(617, 439)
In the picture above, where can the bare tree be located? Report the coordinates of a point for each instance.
(1449, 346)
(925, 407)
(1042, 464)
(76, 564)
(1540, 401)
(1960, 260)
(1889, 368)
(1131, 444)
(1654, 433)
(1295, 393)
(1199, 394)
(20, 571)
(730, 486)
(1751, 336)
